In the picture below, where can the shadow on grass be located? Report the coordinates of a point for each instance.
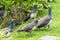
(23, 35)
(42, 29)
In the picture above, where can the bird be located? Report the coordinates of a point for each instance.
(46, 20)
(32, 14)
(3, 12)
(11, 24)
(10, 28)
(29, 27)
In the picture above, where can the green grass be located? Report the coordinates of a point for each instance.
(36, 34)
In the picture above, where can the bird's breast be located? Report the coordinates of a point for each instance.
(33, 15)
(50, 22)
(33, 27)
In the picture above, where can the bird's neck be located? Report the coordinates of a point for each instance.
(3, 9)
(49, 12)
(34, 8)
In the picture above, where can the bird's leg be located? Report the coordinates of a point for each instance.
(30, 33)
(48, 26)
(44, 27)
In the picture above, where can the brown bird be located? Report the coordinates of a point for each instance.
(29, 27)
(46, 20)
(3, 12)
(32, 14)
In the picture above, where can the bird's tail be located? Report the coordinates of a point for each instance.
(19, 30)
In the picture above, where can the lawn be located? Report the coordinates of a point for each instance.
(38, 33)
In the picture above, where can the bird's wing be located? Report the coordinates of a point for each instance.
(28, 27)
(44, 20)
